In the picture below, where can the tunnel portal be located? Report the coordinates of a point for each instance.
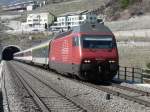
(7, 52)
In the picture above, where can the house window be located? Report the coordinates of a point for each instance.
(35, 19)
(30, 25)
(80, 18)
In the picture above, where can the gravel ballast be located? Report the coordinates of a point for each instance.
(90, 97)
(52, 99)
(18, 98)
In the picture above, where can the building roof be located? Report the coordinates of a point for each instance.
(73, 13)
(35, 12)
(11, 13)
(20, 3)
(38, 13)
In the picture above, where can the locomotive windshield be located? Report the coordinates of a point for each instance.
(97, 42)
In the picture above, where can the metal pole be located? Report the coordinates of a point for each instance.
(132, 74)
(125, 74)
(142, 76)
(119, 72)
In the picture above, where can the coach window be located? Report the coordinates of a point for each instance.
(75, 41)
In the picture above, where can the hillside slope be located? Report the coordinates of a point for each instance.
(72, 6)
(119, 9)
(112, 9)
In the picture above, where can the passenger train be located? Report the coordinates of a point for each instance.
(88, 51)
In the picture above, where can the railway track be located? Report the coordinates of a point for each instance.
(52, 98)
(143, 93)
(124, 92)
(29, 90)
(5, 93)
(128, 93)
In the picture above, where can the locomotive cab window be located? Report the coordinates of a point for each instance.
(98, 41)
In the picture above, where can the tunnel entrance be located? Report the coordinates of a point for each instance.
(7, 52)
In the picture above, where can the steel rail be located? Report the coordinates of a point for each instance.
(31, 92)
(120, 94)
(127, 88)
(5, 91)
(116, 93)
(59, 91)
(131, 89)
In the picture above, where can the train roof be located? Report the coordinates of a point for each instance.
(91, 27)
(23, 51)
(86, 27)
(35, 47)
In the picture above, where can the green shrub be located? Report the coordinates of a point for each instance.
(124, 3)
(147, 70)
(148, 65)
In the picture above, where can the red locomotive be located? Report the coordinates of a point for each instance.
(88, 51)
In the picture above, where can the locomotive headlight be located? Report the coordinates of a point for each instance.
(112, 61)
(87, 61)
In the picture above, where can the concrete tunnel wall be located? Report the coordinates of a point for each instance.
(8, 51)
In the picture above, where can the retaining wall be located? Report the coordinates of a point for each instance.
(133, 33)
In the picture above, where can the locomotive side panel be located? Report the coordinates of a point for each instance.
(60, 58)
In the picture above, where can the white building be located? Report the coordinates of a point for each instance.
(37, 22)
(30, 7)
(72, 19)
